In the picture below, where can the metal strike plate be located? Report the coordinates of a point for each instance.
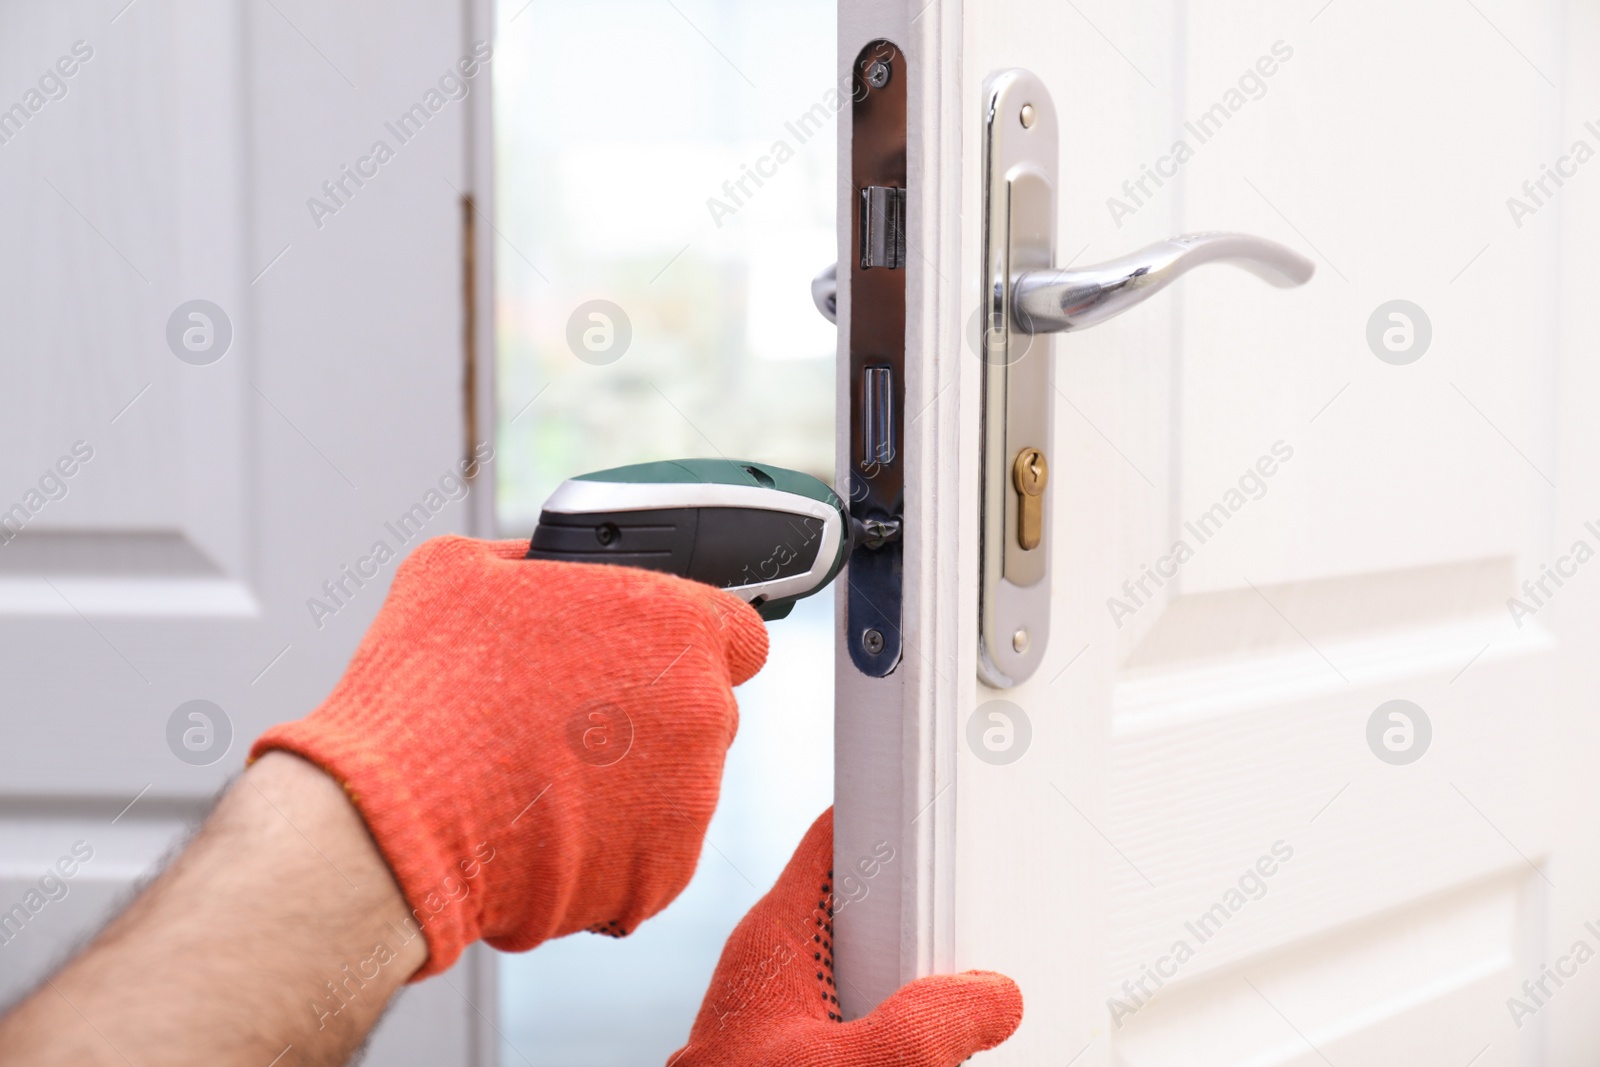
(1019, 234)
(876, 383)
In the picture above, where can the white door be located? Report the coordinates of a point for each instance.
(1214, 848)
(179, 481)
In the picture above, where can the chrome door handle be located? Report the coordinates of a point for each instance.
(1051, 301)
(1075, 298)
(825, 292)
(1027, 296)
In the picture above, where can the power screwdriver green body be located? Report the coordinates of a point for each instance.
(769, 535)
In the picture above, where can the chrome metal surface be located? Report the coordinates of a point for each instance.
(1051, 301)
(877, 417)
(883, 227)
(1019, 235)
(825, 292)
(875, 469)
(1024, 298)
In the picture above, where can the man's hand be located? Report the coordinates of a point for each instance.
(773, 999)
(558, 728)
(278, 932)
(534, 748)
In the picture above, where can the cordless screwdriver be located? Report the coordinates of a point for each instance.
(769, 535)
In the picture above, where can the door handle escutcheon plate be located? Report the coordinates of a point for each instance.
(1025, 299)
(1019, 235)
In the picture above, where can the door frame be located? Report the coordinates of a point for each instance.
(894, 737)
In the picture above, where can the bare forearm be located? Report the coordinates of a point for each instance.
(282, 900)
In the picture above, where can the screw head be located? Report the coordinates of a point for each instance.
(872, 641)
(1020, 641)
(1028, 116)
(878, 74)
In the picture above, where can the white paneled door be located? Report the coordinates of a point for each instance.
(233, 389)
(1306, 775)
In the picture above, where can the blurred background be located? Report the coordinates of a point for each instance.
(197, 156)
(608, 147)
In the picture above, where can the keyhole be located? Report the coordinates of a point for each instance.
(1036, 473)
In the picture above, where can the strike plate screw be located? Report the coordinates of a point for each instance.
(872, 641)
(878, 74)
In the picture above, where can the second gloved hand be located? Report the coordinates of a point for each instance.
(536, 747)
(773, 1002)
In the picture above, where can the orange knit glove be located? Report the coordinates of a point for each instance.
(536, 747)
(772, 999)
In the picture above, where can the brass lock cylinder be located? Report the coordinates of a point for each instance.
(1030, 474)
